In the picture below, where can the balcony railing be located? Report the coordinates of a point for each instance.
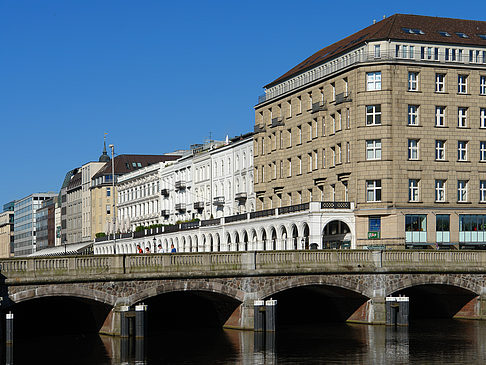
(318, 107)
(219, 200)
(180, 184)
(235, 218)
(241, 196)
(164, 192)
(180, 206)
(258, 128)
(199, 205)
(165, 212)
(343, 98)
(335, 205)
(262, 213)
(277, 122)
(211, 222)
(293, 208)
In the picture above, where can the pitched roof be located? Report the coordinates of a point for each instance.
(129, 163)
(395, 28)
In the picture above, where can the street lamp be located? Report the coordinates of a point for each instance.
(113, 194)
(155, 242)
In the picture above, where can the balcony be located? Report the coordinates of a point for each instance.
(240, 196)
(335, 205)
(277, 122)
(258, 128)
(343, 98)
(218, 201)
(318, 107)
(199, 205)
(165, 212)
(180, 207)
(164, 192)
(180, 184)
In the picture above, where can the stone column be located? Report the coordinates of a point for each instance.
(112, 324)
(242, 317)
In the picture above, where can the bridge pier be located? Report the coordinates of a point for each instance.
(243, 316)
(372, 311)
(112, 326)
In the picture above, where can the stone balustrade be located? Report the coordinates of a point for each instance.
(118, 267)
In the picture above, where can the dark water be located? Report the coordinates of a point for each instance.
(427, 342)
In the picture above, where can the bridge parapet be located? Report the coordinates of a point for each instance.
(250, 263)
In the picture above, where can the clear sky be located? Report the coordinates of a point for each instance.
(155, 75)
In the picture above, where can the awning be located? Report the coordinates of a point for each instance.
(82, 248)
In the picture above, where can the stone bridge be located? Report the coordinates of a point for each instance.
(355, 281)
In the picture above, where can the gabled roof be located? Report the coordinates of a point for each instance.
(129, 163)
(393, 28)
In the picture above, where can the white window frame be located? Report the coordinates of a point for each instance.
(439, 150)
(461, 117)
(439, 83)
(299, 158)
(440, 192)
(373, 112)
(461, 150)
(373, 149)
(290, 167)
(377, 51)
(373, 81)
(413, 149)
(462, 84)
(482, 151)
(413, 190)
(482, 191)
(440, 116)
(482, 85)
(413, 115)
(373, 191)
(462, 191)
(413, 81)
(482, 118)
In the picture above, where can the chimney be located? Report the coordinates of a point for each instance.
(384, 16)
(374, 21)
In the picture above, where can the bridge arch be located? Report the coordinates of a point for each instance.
(187, 286)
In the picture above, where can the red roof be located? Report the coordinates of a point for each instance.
(393, 28)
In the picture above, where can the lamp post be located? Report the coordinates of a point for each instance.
(113, 194)
(155, 242)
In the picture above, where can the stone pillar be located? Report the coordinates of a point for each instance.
(112, 324)
(371, 312)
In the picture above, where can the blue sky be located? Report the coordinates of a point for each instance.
(155, 75)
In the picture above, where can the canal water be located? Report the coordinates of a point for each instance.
(424, 342)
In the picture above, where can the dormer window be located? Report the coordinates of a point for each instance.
(462, 35)
(482, 36)
(412, 31)
(444, 34)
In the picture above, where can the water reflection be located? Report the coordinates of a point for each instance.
(431, 342)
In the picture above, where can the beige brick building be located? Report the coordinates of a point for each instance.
(392, 118)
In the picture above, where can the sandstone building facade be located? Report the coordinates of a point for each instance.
(391, 118)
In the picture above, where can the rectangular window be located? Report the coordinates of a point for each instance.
(374, 224)
(289, 132)
(299, 161)
(348, 152)
(373, 190)
(373, 114)
(315, 160)
(440, 150)
(299, 99)
(415, 228)
(323, 126)
(462, 191)
(482, 151)
(462, 84)
(348, 119)
(462, 151)
(377, 51)
(462, 117)
(413, 116)
(299, 134)
(289, 108)
(373, 81)
(333, 91)
(482, 117)
(309, 155)
(289, 160)
(482, 85)
(413, 190)
(373, 149)
(413, 81)
(108, 209)
(339, 121)
(404, 51)
(413, 149)
(323, 158)
(310, 130)
(439, 83)
(482, 191)
(339, 153)
(281, 169)
(442, 228)
(108, 191)
(333, 156)
(440, 190)
(440, 116)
